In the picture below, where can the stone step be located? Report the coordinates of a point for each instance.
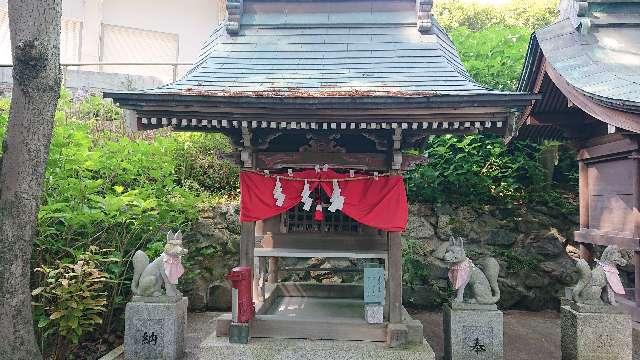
(292, 349)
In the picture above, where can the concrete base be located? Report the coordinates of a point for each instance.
(472, 333)
(595, 336)
(155, 330)
(374, 313)
(219, 348)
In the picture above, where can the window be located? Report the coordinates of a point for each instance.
(129, 45)
(298, 220)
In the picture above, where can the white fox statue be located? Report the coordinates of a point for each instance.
(149, 278)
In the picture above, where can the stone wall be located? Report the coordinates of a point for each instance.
(90, 81)
(533, 246)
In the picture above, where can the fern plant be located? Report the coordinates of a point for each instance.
(73, 299)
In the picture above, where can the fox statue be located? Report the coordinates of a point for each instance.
(148, 278)
(599, 285)
(463, 272)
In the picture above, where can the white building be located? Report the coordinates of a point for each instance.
(129, 31)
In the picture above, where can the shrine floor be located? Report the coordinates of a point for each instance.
(315, 307)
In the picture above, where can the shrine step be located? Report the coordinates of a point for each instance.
(289, 349)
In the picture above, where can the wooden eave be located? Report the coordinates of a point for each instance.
(435, 113)
(563, 105)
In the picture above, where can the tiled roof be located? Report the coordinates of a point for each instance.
(599, 56)
(328, 46)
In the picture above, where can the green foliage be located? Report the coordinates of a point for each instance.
(107, 190)
(199, 164)
(492, 39)
(414, 269)
(474, 168)
(482, 170)
(531, 14)
(72, 299)
(95, 107)
(517, 261)
(494, 56)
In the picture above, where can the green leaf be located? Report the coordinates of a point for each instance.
(56, 315)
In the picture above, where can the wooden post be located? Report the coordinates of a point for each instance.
(395, 277)
(247, 243)
(583, 188)
(272, 273)
(636, 282)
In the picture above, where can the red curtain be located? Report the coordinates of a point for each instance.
(380, 203)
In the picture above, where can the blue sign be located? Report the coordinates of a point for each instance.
(373, 285)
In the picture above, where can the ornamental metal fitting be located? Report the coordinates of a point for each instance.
(234, 14)
(423, 12)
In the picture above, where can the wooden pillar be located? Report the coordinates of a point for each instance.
(395, 277)
(272, 273)
(636, 282)
(583, 188)
(247, 243)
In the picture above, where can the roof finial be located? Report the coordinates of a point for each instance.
(234, 14)
(423, 12)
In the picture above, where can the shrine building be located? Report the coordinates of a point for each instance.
(322, 100)
(586, 67)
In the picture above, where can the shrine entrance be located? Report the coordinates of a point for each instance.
(331, 95)
(322, 213)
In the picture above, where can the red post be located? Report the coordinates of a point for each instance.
(242, 305)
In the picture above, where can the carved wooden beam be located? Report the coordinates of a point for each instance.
(423, 11)
(282, 160)
(234, 14)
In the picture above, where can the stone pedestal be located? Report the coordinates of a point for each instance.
(239, 333)
(594, 332)
(472, 332)
(374, 313)
(154, 328)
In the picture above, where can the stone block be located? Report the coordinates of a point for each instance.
(155, 330)
(397, 335)
(239, 333)
(374, 313)
(416, 332)
(595, 335)
(472, 333)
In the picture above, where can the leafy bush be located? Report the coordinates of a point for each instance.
(94, 107)
(72, 299)
(199, 163)
(475, 169)
(492, 39)
(107, 190)
(531, 15)
(494, 56)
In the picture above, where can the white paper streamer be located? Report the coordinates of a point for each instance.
(306, 199)
(277, 193)
(337, 200)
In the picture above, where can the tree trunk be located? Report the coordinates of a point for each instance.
(35, 41)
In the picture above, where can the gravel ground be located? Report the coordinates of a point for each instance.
(527, 335)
